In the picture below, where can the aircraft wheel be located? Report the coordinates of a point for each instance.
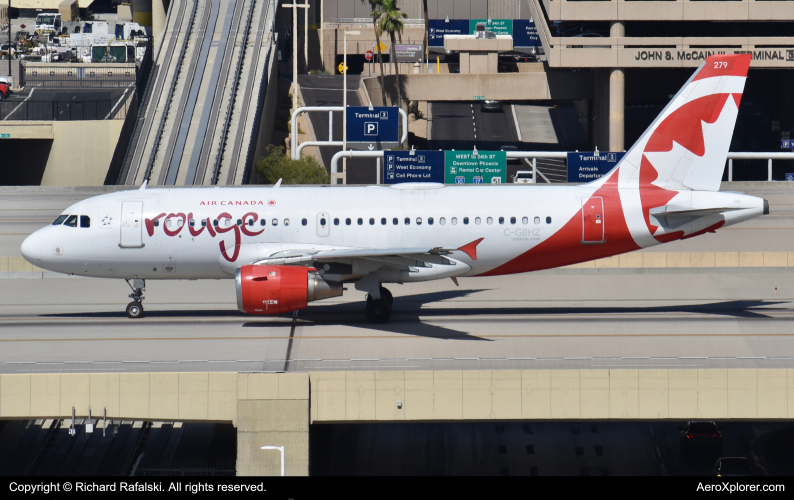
(378, 311)
(134, 310)
(386, 295)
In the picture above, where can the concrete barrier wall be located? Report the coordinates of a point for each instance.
(551, 394)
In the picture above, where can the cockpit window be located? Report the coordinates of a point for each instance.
(59, 220)
(85, 221)
(71, 221)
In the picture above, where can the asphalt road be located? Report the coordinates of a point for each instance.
(327, 90)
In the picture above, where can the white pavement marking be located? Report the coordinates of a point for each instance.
(121, 99)
(20, 104)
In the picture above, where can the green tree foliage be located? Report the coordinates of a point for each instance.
(276, 164)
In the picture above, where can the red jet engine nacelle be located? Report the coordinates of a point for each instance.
(280, 289)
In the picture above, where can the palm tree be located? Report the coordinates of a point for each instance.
(391, 21)
(376, 13)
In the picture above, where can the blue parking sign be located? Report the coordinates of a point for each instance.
(790, 177)
(787, 144)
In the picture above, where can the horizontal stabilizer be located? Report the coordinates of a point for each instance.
(674, 211)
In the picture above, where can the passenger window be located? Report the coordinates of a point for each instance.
(180, 223)
(168, 223)
(262, 222)
(548, 220)
(286, 222)
(322, 221)
(489, 220)
(85, 221)
(191, 223)
(348, 221)
(512, 220)
(407, 221)
(71, 221)
(537, 220)
(59, 220)
(251, 223)
(395, 221)
(477, 220)
(239, 222)
(157, 223)
(430, 221)
(226, 222)
(304, 222)
(454, 221)
(502, 220)
(442, 221)
(371, 221)
(214, 222)
(418, 221)
(336, 222)
(360, 221)
(383, 221)
(274, 222)
(466, 220)
(204, 222)
(525, 220)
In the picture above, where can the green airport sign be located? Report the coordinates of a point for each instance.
(464, 167)
(498, 26)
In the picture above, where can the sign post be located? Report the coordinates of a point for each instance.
(475, 167)
(413, 166)
(375, 128)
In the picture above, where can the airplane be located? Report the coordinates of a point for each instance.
(288, 246)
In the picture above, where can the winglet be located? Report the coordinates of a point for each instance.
(277, 184)
(470, 249)
(143, 186)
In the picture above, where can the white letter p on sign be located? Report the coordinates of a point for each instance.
(370, 128)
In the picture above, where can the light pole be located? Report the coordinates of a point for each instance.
(295, 5)
(344, 106)
(281, 449)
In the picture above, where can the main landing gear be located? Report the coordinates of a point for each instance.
(379, 311)
(135, 308)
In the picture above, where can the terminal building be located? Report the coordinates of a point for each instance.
(617, 62)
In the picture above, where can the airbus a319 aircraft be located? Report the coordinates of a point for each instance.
(287, 246)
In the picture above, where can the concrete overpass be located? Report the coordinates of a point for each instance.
(277, 409)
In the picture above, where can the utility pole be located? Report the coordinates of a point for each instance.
(306, 35)
(8, 17)
(344, 107)
(295, 7)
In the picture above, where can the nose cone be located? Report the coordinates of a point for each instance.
(31, 248)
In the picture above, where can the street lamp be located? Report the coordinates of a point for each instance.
(281, 449)
(344, 110)
(295, 5)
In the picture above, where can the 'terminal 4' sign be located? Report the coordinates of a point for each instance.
(372, 129)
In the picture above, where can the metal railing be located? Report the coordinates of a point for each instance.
(89, 76)
(106, 109)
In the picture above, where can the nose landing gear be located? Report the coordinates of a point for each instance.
(135, 308)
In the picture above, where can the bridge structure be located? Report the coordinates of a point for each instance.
(209, 102)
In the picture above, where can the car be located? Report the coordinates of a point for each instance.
(700, 435)
(491, 105)
(733, 467)
(5, 91)
(523, 177)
